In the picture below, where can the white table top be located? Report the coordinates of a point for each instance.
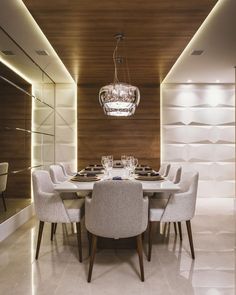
(148, 186)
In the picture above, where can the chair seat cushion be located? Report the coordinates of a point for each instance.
(75, 209)
(157, 207)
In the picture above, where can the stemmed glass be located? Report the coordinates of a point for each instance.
(107, 163)
(124, 160)
(131, 165)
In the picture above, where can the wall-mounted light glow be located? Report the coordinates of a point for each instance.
(217, 81)
(189, 81)
(213, 95)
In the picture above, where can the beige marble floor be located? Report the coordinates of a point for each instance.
(171, 270)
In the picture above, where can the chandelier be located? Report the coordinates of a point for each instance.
(119, 98)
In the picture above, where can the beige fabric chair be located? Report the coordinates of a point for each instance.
(116, 210)
(57, 174)
(49, 207)
(174, 174)
(164, 169)
(3, 181)
(66, 169)
(180, 207)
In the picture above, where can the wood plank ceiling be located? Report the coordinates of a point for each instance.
(81, 32)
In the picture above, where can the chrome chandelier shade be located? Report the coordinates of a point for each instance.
(118, 98)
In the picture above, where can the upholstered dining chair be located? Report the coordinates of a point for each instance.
(3, 181)
(49, 207)
(66, 169)
(57, 174)
(164, 169)
(174, 174)
(180, 207)
(116, 210)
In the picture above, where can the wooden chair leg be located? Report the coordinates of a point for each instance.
(55, 228)
(40, 232)
(190, 237)
(52, 230)
(180, 231)
(175, 228)
(4, 202)
(149, 241)
(143, 236)
(78, 229)
(90, 241)
(93, 252)
(140, 255)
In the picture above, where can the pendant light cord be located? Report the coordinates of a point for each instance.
(116, 80)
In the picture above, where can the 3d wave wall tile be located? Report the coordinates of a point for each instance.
(198, 133)
(60, 122)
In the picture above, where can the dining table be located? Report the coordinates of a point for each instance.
(151, 186)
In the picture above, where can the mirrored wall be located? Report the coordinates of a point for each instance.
(24, 146)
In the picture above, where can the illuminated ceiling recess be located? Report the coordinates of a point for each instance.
(118, 98)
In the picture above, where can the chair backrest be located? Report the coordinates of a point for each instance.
(3, 176)
(181, 206)
(48, 204)
(66, 169)
(56, 173)
(164, 169)
(174, 174)
(117, 209)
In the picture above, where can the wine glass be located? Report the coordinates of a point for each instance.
(104, 161)
(123, 160)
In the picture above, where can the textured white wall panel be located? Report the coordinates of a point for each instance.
(192, 96)
(60, 122)
(43, 121)
(66, 124)
(216, 189)
(198, 133)
(66, 117)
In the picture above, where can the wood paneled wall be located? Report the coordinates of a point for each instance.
(15, 147)
(99, 135)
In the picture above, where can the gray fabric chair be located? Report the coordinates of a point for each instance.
(49, 207)
(180, 207)
(116, 210)
(164, 169)
(3, 181)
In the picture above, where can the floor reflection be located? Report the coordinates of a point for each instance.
(13, 206)
(171, 271)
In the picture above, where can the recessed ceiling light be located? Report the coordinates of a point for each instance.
(7, 52)
(41, 52)
(197, 52)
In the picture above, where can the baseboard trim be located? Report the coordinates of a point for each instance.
(13, 223)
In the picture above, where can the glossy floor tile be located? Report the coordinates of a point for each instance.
(116, 271)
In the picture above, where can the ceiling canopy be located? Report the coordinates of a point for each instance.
(156, 33)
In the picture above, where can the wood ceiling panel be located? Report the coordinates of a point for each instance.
(81, 31)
